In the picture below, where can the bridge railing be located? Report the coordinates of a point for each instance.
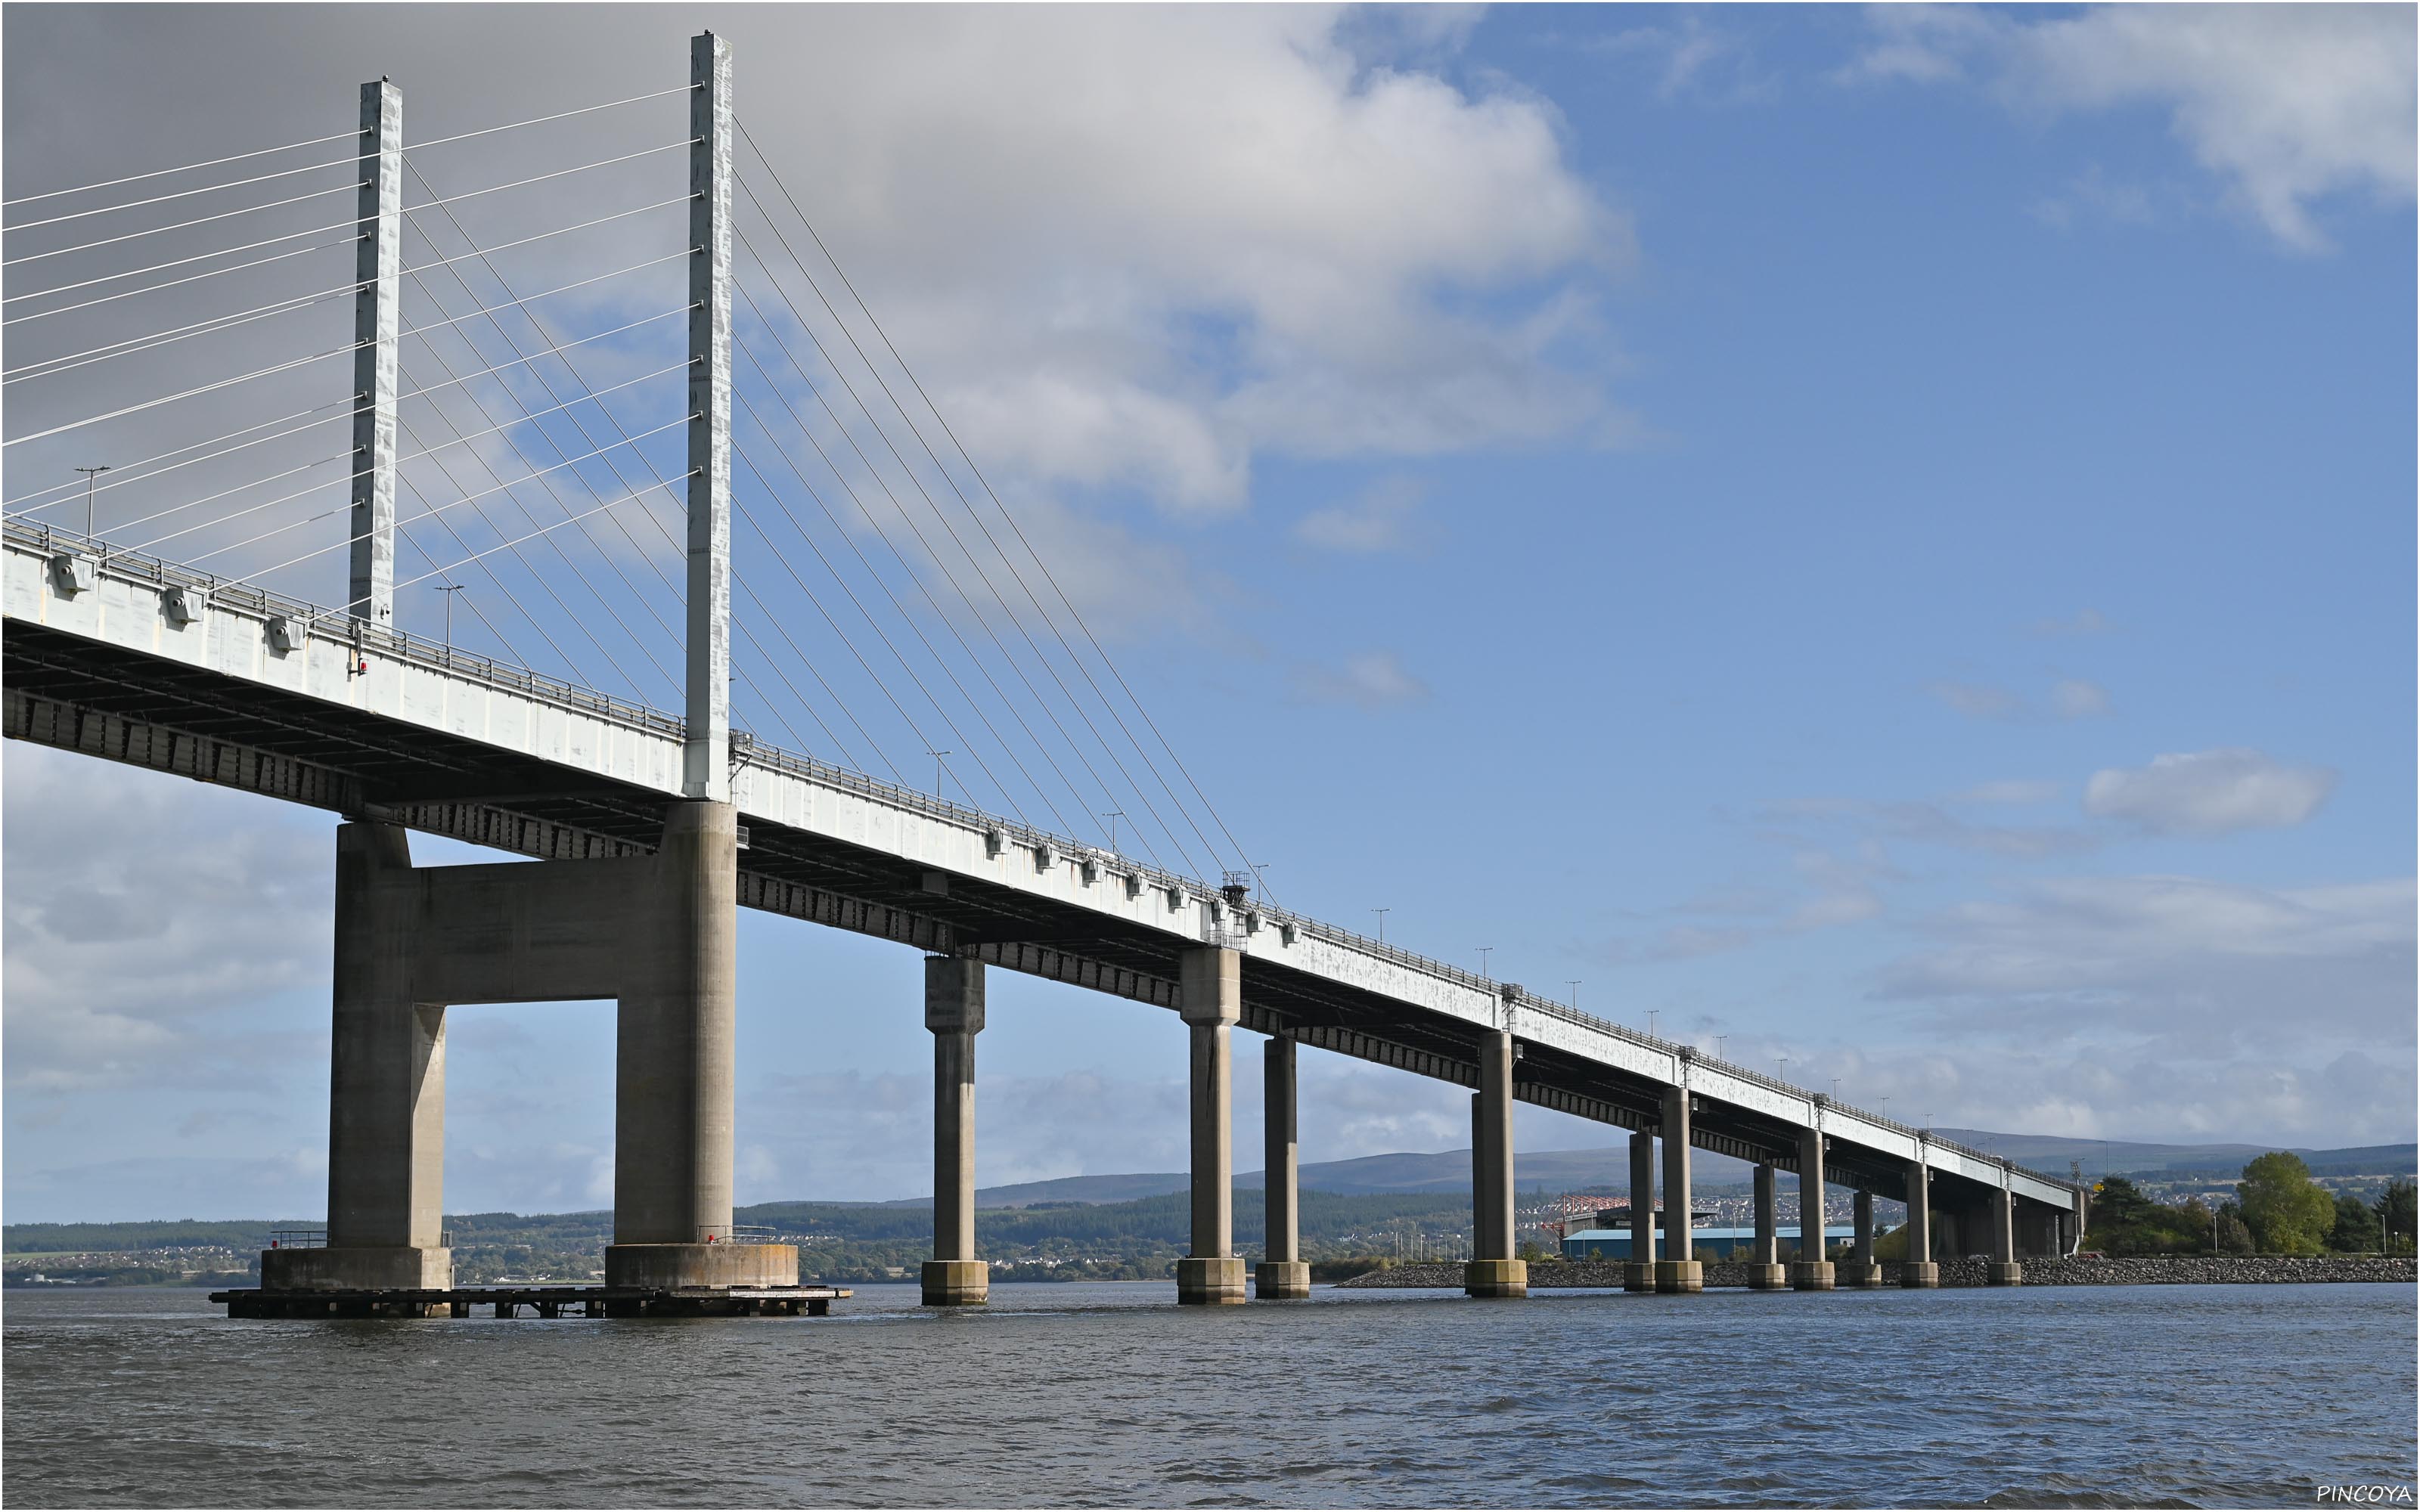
(48, 540)
(250, 598)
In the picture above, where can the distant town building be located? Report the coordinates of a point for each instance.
(1723, 1243)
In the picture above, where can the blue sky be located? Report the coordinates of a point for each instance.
(1884, 537)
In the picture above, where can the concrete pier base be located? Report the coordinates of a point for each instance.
(1680, 1275)
(1812, 1275)
(1862, 1275)
(1638, 1275)
(956, 1283)
(671, 1267)
(1211, 1282)
(357, 1269)
(1496, 1278)
(1920, 1275)
(2005, 1274)
(1768, 1277)
(1281, 1280)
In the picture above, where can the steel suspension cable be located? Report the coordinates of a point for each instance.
(1068, 694)
(455, 483)
(161, 173)
(1048, 576)
(502, 545)
(179, 225)
(540, 120)
(910, 622)
(587, 392)
(774, 662)
(347, 404)
(349, 540)
(353, 161)
(559, 173)
(174, 283)
(52, 367)
(783, 558)
(422, 500)
(921, 586)
(472, 603)
(174, 262)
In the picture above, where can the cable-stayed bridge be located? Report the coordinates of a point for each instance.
(697, 466)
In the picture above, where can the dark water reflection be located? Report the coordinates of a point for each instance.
(1111, 1394)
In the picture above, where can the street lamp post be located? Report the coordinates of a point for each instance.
(1382, 914)
(449, 590)
(937, 769)
(1114, 816)
(89, 473)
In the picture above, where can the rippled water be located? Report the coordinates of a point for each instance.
(1113, 1395)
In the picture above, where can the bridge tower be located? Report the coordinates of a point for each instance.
(657, 934)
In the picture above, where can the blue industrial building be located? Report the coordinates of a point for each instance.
(1722, 1243)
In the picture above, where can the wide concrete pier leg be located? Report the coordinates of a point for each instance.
(1493, 1271)
(2004, 1269)
(1918, 1270)
(1639, 1274)
(1211, 987)
(386, 1097)
(954, 1011)
(1812, 1272)
(1283, 1276)
(1680, 1271)
(675, 1057)
(1862, 1270)
(1764, 1271)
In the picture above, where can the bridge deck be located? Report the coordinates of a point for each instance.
(160, 667)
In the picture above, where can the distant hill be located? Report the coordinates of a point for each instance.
(1562, 1170)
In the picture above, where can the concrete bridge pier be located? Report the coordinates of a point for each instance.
(1919, 1269)
(659, 933)
(1639, 1274)
(1680, 1271)
(954, 1011)
(1211, 998)
(1284, 1276)
(2004, 1271)
(1764, 1270)
(1862, 1270)
(1812, 1272)
(1493, 1271)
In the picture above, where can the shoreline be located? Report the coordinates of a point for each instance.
(2145, 1270)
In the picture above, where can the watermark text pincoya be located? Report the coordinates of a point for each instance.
(2366, 1495)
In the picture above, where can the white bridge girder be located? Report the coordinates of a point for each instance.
(154, 624)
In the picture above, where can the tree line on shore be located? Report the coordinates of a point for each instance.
(2277, 1209)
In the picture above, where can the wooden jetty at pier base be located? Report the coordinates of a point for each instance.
(542, 1302)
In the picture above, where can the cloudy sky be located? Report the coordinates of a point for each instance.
(1878, 538)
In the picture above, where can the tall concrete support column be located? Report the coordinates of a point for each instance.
(1812, 1272)
(1640, 1273)
(2004, 1269)
(1211, 999)
(677, 1055)
(705, 768)
(386, 1101)
(1283, 1276)
(1764, 1271)
(1919, 1269)
(954, 1011)
(377, 325)
(1862, 1270)
(1493, 1271)
(1680, 1271)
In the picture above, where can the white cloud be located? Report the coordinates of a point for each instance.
(1380, 518)
(2209, 793)
(2073, 698)
(2286, 104)
(1372, 679)
(2070, 698)
(2086, 621)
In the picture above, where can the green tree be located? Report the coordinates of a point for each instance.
(2233, 1237)
(2395, 1216)
(2286, 1211)
(2357, 1230)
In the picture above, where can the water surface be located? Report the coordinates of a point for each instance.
(1111, 1394)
